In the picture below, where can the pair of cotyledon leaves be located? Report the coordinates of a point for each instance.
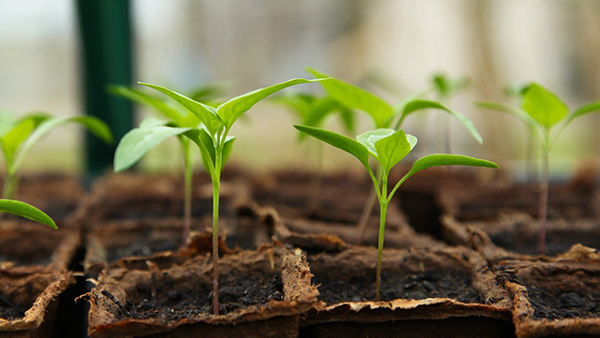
(210, 135)
(17, 137)
(388, 147)
(543, 109)
(380, 111)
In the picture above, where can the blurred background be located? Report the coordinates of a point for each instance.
(392, 48)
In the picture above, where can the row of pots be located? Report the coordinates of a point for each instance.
(311, 281)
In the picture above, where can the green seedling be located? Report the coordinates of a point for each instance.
(27, 211)
(385, 115)
(19, 135)
(387, 147)
(541, 111)
(151, 132)
(213, 140)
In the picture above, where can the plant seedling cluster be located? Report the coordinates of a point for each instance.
(387, 147)
(212, 138)
(541, 111)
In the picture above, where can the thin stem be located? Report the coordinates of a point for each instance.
(187, 203)
(9, 190)
(318, 173)
(383, 203)
(368, 209)
(543, 208)
(216, 180)
(530, 155)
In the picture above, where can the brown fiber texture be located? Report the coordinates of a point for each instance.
(36, 290)
(273, 318)
(574, 276)
(355, 263)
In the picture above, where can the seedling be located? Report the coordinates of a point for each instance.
(18, 136)
(541, 111)
(137, 142)
(387, 147)
(215, 144)
(385, 115)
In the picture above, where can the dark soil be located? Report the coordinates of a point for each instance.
(29, 244)
(558, 241)
(152, 208)
(9, 313)
(167, 301)
(564, 305)
(430, 284)
(142, 248)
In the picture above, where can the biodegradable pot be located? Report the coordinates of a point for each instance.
(577, 198)
(127, 196)
(262, 294)
(418, 198)
(26, 244)
(447, 292)
(131, 243)
(34, 291)
(515, 235)
(556, 298)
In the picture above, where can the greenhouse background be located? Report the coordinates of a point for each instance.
(375, 44)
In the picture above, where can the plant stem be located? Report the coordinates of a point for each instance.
(216, 180)
(316, 179)
(543, 210)
(530, 155)
(9, 190)
(383, 203)
(364, 218)
(187, 203)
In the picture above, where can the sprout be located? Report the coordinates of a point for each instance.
(541, 111)
(387, 147)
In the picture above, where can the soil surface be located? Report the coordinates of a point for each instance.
(564, 305)
(142, 248)
(556, 242)
(169, 302)
(430, 284)
(9, 313)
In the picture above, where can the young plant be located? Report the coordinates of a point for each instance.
(19, 135)
(541, 111)
(387, 147)
(385, 115)
(215, 144)
(151, 132)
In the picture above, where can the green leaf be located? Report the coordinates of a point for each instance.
(153, 122)
(417, 105)
(196, 136)
(161, 106)
(138, 141)
(394, 148)
(25, 210)
(357, 98)
(227, 148)
(518, 113)
(205, 113)
(93, 124)
(231, 110)
(369, 139)
(437, 160)
(545, 107)
(593, 107)
(339, 141)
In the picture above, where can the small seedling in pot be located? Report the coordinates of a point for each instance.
(19, 135)
(385, 115)
(541, 111)
(387, 147)
(151, 132)
(313, 110)
(215, 145)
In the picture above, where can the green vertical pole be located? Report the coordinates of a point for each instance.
(106, 58)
